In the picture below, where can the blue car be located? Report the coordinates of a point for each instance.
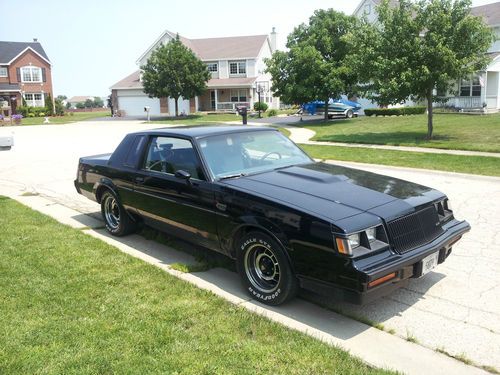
(336, 107)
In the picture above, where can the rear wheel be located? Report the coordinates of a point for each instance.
(116, 219)
(265, 270)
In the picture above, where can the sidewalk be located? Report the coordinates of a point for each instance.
(303, 136)
(375, 347)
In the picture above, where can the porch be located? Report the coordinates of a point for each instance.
(225, 99)
(481, 92)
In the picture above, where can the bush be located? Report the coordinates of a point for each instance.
(23, 110)
(59, 107)
(260, 106)
(272, 112)
(41, 114)
(402, 111)
(31, 115)
(49, 109)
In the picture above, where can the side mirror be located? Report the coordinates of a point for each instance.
(183, 174)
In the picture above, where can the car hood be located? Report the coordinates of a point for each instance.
(337, 192)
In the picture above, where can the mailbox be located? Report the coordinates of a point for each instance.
(242, 111)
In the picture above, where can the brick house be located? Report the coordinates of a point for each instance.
(237, 68)
(25, 72)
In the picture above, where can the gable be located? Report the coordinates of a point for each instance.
(10, 51)
(236, 47)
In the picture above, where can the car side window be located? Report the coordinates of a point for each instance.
(169, 154)
(134, 154)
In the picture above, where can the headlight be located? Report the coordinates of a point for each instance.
(354, 240)
(371, 234)
(444, 211)
(355, 244)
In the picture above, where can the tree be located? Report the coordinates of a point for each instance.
(315, 66)
(173, 70)
(420, 49)
(68, 105)
(80, 105)
(89, 103)
(98, 102)
(61, 97)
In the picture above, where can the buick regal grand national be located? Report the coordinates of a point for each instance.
(288, 222)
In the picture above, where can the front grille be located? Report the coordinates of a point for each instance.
(416, 229)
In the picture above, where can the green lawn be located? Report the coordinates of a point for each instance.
(481, 165)
(67, 118)
(451, 131)
(198, 119)
(73, 304)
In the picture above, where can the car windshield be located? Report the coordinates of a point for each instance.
(237, 154)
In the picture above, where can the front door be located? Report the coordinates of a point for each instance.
(212, 100)
(183, 207)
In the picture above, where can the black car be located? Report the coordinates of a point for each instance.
(288, 221)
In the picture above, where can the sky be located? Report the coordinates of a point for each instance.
(94, 44)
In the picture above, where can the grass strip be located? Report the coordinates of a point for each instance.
(74, 304)
(451, 131)
(480, 165)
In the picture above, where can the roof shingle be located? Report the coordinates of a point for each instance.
(489, 12)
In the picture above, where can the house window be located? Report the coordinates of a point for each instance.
(238, 95)
(3, 71)
(237, 67)
(470, 87)
(31, 74)
(34, 99)
(213, 67)
(368, 9)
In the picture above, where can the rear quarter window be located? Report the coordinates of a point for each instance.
(134, 154)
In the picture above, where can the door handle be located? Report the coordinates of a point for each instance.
(139, 180)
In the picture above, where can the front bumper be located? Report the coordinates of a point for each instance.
(405, 266)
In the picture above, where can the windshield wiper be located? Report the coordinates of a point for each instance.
(232, 176)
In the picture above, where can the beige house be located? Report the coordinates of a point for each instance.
(237, 67)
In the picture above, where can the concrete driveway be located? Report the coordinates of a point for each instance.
(455, 308)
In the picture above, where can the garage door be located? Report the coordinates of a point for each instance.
(134, 105)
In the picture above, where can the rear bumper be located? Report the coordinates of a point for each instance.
(405, 266)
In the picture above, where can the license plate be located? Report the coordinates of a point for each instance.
(429, 262)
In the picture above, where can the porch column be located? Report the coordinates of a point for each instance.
(216, 100)
(484, 80)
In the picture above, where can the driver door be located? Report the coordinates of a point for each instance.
(169, 203)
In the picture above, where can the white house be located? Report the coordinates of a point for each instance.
(481, 89)
(237, 67)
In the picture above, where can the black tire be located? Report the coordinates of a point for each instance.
(265, 269)
(349, 113)
(116, 219)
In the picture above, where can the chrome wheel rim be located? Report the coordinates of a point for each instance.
(262, 268)
(112, 213)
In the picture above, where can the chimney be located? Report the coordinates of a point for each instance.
(35, 40)
(272, 38)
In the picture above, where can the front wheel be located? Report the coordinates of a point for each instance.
(116, 219)
(349, 113)
(265, 270)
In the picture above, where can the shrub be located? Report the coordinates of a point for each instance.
(260, 106)
(31, 115)
(59, 107)
(272, 112)
(23, 110)
(41, 114)
(49, 109)
(402, 111)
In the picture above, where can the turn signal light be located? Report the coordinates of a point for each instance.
(343, 246)
(381, 280)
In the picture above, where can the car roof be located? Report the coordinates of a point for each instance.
(200, 131)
